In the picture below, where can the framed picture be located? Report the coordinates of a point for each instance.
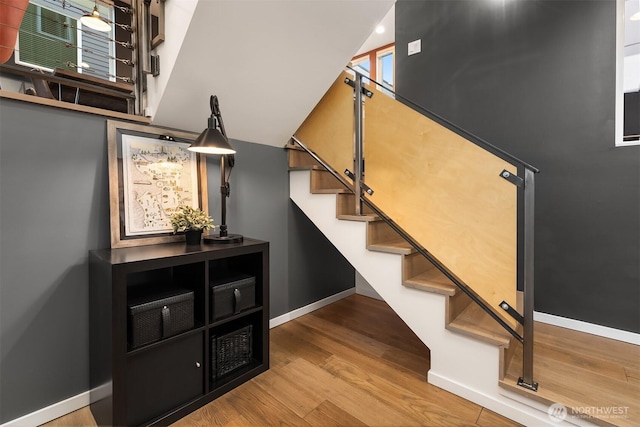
(151, 174)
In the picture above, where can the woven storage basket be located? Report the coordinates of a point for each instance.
(231, 351)
(231, 295)
(159, 315)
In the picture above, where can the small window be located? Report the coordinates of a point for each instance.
(385, 70)
(47, 39)
(53, 24)
(362, 66)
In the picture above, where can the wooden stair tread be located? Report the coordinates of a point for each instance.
(306, 168)
(394, 246)
(330, 191)
(432, 280)
(473, 321)
(363, 217)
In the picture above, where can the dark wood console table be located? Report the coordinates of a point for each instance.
(161, 382)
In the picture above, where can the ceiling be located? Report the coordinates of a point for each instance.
(268, 61)
(376, 40)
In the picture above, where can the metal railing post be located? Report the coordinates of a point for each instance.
(357, 144)
(527, 333)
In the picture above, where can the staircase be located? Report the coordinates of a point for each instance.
(477, 350)
(471, 354)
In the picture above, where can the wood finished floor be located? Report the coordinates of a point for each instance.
(586, 373)
(352, 363)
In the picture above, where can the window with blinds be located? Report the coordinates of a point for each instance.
(52, 37)
(43, 37)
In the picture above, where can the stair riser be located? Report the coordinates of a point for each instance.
(380, 232)
(456, 305)
(299, 159)
(415, 264)
(323, 182)
(347, 205)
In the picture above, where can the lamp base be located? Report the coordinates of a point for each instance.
(216, 239)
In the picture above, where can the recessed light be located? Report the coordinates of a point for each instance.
(380, 29)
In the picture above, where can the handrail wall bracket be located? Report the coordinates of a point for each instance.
(512, 312)
(512, 178)
(364, 186)
(364, 90)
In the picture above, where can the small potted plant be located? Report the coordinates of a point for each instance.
(191, 221)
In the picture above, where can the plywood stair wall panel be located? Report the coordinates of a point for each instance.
(447, 194)
(453, 202)
(443, 190)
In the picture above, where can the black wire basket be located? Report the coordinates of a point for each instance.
(231, 351)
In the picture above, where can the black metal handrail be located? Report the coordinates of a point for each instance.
(453, 127)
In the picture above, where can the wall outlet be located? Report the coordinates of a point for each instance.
(414, 47)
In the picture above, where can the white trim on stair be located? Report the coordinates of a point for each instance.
(589, 328)
(371, 293)
(364, 288)
(51, 412)
(277, 321)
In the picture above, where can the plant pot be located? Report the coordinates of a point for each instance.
(11, 14)
(193, 237)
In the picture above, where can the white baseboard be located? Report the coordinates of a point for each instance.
(364, 288)
(277, 321)
(589, 328)
(368, 293)
(529, 413)
(51, 412)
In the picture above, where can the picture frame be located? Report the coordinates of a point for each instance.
(151, 173)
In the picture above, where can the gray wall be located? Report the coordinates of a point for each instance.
(314, 259)
(537, 79)
(54, 208)
(53, 182)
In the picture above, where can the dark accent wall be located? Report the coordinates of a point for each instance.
(54, 208)
(537, 79)
(313, 258)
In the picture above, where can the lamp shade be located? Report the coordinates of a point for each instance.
(95, 21)
(212, 141)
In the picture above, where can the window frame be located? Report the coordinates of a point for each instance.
(40, 26)
(375, 65)
(621, 22)
(380, 55)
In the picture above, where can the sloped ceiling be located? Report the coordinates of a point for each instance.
(268, 61)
